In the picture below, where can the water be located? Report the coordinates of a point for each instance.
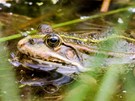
(29, 14)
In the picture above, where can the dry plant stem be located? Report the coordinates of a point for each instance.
(105, 5)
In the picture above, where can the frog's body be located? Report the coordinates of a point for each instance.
(50, 52)
(64, 57)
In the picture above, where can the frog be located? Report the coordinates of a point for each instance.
(47, 51)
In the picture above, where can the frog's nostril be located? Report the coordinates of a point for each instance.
(31, 41)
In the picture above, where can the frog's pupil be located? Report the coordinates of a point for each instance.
(53, 39)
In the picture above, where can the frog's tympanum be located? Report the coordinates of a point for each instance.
(49, 53)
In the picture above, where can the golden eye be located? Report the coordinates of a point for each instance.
(52, 40)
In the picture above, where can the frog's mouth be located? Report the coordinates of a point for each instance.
(44, 65)
(49, 66)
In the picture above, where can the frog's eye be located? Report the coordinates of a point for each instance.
(52, 40)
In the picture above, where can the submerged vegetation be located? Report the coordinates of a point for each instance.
(8, 84)
(114, 82)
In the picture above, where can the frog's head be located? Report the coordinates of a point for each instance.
(49, 52)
